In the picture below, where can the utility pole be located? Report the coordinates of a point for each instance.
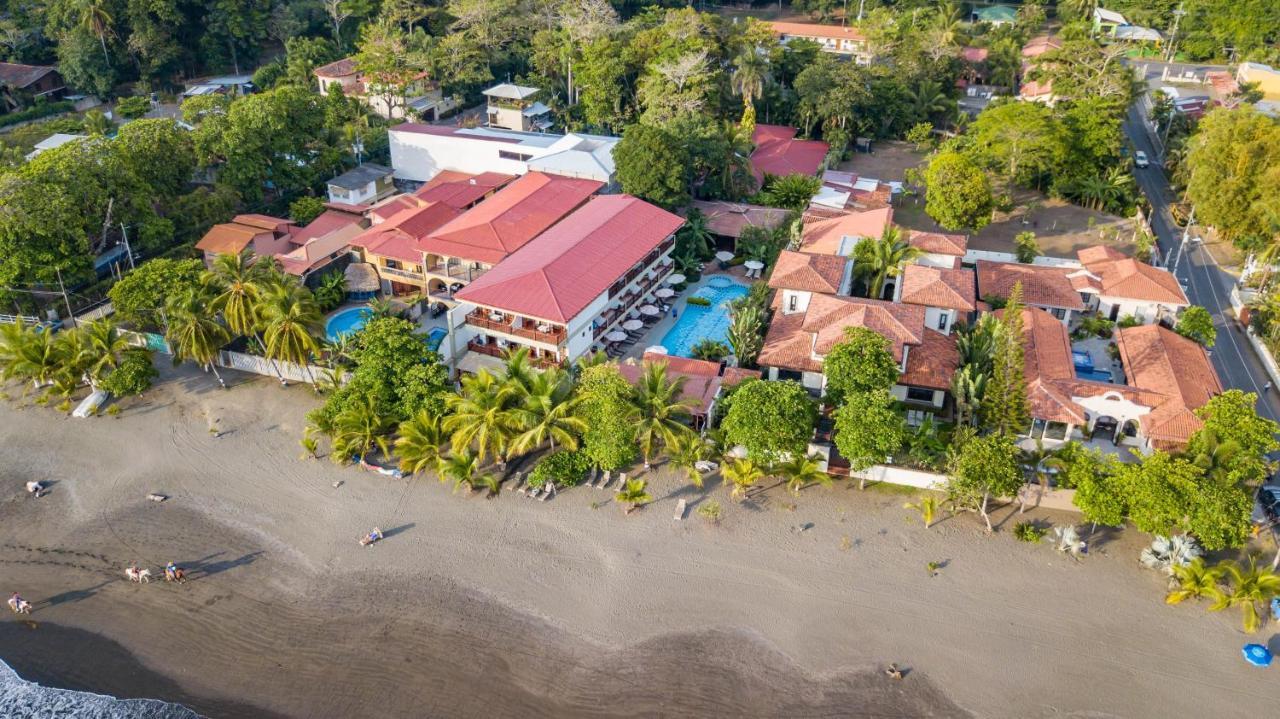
(1173, 34)
(128, 250)
(862, 5)
(1182, 246)
(71, 316)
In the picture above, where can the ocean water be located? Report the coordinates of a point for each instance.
(21, 699)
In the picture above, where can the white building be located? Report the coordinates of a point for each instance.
(419, 152)
(362, 185)
(516, 107)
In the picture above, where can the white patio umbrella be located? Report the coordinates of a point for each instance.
(724, 255)
(675, 279)
(649, 310)
(616, 336)
(632, 325)
(656, 349)
(664, 293)
(753, 265)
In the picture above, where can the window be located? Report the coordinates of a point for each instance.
(519, 156)
(393, 264)
(942, 322)
(1037, 428)
(916, 417)
(792, 303)
(916, 394)
(1058, 312)
(1056, 430)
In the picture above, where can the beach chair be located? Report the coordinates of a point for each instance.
(680, 510)
(518, 483)
(622, 481)
(535, 491)
(591, 478)
(604, 481)
(548, 489)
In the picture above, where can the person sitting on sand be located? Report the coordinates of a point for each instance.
(372, 537)
(35, 488)
(893, 672)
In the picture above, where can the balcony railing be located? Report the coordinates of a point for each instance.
(494, 350)
(458, 272)
(395, 272)
(481, 318)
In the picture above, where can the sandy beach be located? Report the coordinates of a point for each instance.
(790, 606)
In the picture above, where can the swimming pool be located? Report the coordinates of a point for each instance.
(435, 337)
(346, 322)
(697, 323)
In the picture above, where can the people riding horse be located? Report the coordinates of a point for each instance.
(174, 573)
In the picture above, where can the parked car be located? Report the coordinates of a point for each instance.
(1267, 508)
(1140, 159)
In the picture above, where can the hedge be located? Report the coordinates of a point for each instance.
(36, 112)
(565, 468)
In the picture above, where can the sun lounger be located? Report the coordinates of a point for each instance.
(604, 481)
(680, 510)
(591, 478)
(518, 483)
(548, 489)
(536, 491)
(622, 481)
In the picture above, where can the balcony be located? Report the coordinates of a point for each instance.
(493, 350)
(457, 272)
(406, 274)
(482, 318)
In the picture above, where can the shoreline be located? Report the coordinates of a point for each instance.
(507, 607)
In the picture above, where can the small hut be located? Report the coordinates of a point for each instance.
(362, 281)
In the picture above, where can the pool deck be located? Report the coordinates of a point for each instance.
(658, 331)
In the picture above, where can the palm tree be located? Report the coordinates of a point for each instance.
(659, 414)
(241, 282)
(1215, 455)
(518, 370)
(95, 18)
(746, 333)
(633, 495)
(358, 428)
(105, 349)
(290, 322)
(1194, 581)
(742, 474)
(928, 507)
(925, 447)
(481, 415)
(694, 235)
(420, 443)
(928, 100)
(1248, 586)
(71, 349)
(30, 353)
(192, 332)
(1043, 463)
(750, 72)
(800, 472)
(687, 452)
(464, 469)
(546, 413)
(331, 290)
(883, 259)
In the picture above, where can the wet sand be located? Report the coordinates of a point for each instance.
(512, 607)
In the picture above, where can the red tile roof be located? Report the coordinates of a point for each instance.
(558, 274)
(229, 238)
(825, 237)
(701, 379)
(1042, 285)
(401, 235)
(1125, 277)
(809, 273)
(787, 344)
(326, 222)
(388, 208)
(938, 243)
(1035, 88)
(779, 153)
(337, 69)
(805, 29)
(729, 219)
(1162, 361)
(974, 54)
(1047, 362)
(513, 216)
(1038, 46)
(935, 287)
(933, 362)
(828, 316)
(266, 222)
(460, 189)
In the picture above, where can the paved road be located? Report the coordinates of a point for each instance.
(1207, 284)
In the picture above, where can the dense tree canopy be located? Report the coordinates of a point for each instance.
(861, 363)
(770, 419)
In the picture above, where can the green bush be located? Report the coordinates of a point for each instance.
(36, 112)
(1096, 325)
(565, 468)
(699, 301)
(710, 350)
(132, 376)
(305, 209)
(131, 108)
(1129, 321)
(1028, 532)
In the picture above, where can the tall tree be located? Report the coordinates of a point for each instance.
(659, 414)
(860, 363)
(1005, 410)
(958, 194)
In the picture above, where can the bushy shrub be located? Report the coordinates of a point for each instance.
(1129, 321)
(1028, 532)
(132, 376)
(710, 350)
(131, 108)
(37, 111)
(699, 301)
(565, 468)
(1096, 325)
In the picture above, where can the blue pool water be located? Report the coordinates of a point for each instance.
(697, 323)
(346, 322)
(1097, 375)
(435, 337)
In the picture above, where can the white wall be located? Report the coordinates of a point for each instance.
(930, 259)
(813, 380)
(580, 333)
(933, 317)
(801, 298)
(420, 157)
(1145, 312)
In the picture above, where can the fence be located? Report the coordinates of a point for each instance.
(237, 360)
(1055, 498)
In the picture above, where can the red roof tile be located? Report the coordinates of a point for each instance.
(1038, 46)
(513, 216)
(337, 69)
(935, 287)
(266, 222)
(556, 275)
(809, 273)
(401, 235)
(18, 75)
(1162, 361)
(729, 219)
(1125, 277)
(1042, 285)
(779, 153)
(938, 243)
(933, 362)
(974, 55)
(826, 237)
(828, 316)
(806, 29)
(701, 384)
(459, 189)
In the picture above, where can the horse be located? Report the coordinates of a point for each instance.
(138, 575)
(19, 606)
(178, 575)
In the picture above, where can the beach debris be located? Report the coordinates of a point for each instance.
(933, 567)
(157, 497)
(337, 484)
(798, 528)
